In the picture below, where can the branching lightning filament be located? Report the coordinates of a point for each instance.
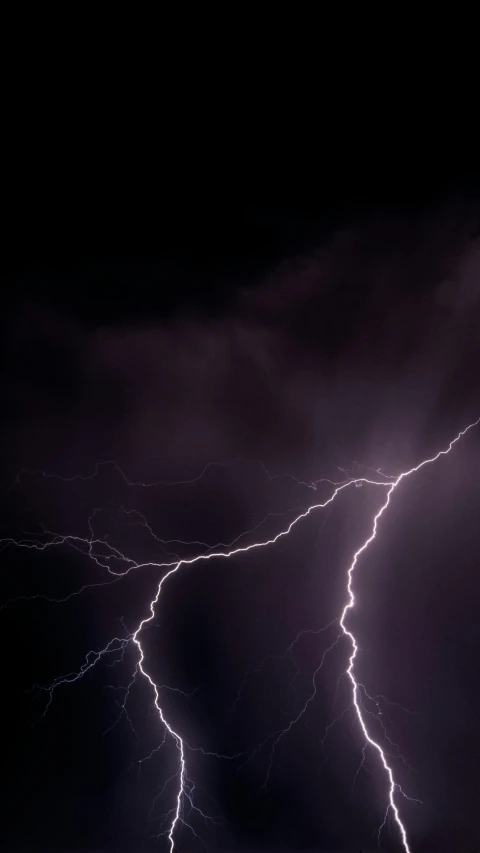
(118, 564)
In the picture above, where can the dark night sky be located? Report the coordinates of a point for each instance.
(324, 317)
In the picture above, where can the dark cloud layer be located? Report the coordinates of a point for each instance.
(384, 314)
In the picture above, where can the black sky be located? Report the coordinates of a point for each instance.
(308, 313)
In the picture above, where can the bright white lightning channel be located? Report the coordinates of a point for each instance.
(111, 555)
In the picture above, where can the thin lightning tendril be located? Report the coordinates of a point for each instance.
(106, 556)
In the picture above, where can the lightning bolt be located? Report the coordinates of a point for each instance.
(393, 786)
(106, 556)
